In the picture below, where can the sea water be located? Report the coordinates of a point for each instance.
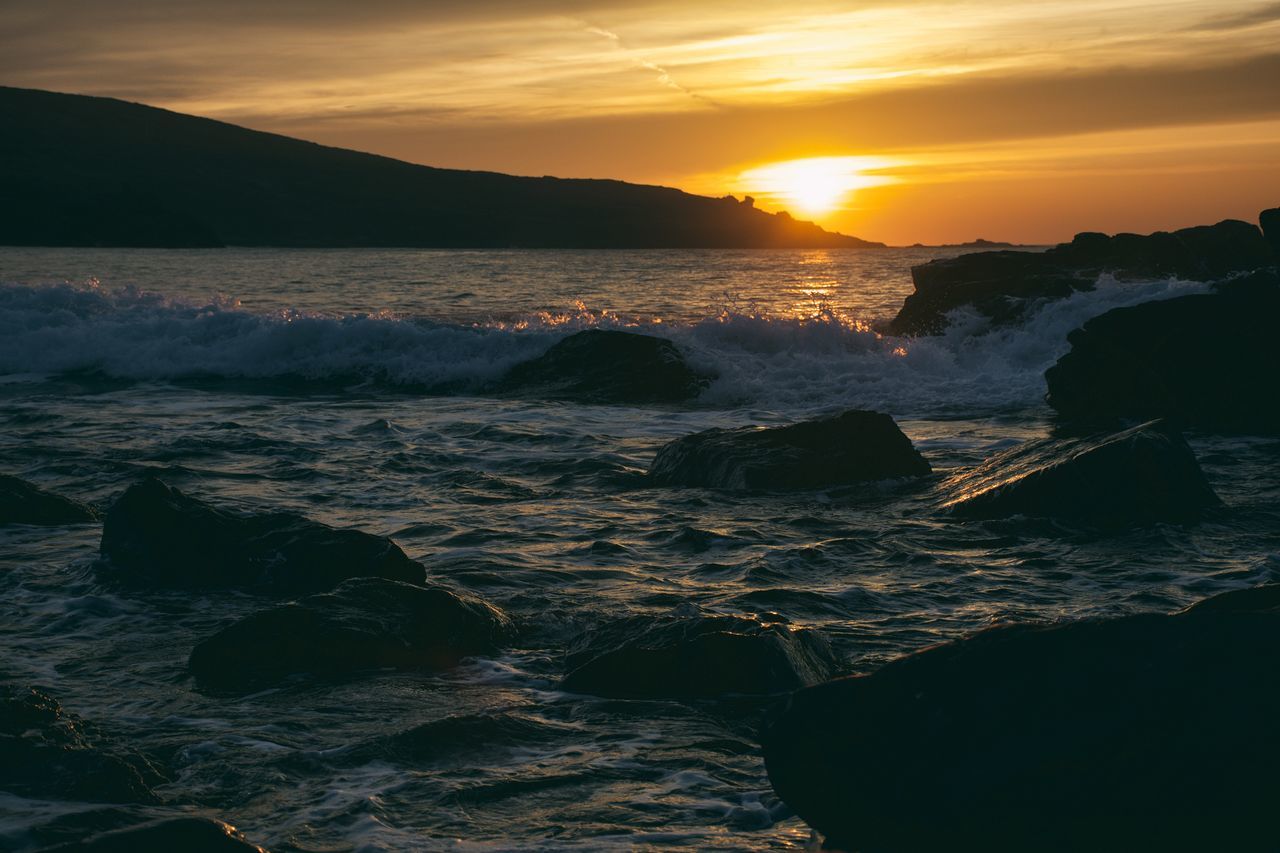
(347, 385)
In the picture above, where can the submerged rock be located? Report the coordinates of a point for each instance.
(607, 366)
(188, 834)
(366, 623)
(156, 535)
(490, 737)
(24, 503)
(1147, 473)
(1000, 285)
(851, 447)
(1145, 732)
(700, 657)
(46, 752)
(1208, 359)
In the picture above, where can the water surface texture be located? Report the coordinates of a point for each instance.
(343, 385)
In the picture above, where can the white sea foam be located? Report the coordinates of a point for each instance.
(827, 362)
(824, 361)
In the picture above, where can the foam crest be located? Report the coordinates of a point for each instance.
(789, 364)
(138, 335)
(828, 361)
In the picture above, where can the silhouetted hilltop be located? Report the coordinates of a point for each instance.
(86, 171)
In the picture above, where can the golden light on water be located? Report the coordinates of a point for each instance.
(814, 186)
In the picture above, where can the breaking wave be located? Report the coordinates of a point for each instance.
(825, 360)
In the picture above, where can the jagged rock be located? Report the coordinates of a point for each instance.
(156, 535)
(46, 752)
(24, 503)
(188, 834)
(606, 366)
(698, 657)
(1145, 732)
(1000, 285)
(366, 623)
(1208, 359)
(851, 447)
(1147, 473)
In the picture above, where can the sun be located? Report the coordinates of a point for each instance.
(815, 185)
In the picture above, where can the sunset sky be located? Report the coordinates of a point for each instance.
(918, 121)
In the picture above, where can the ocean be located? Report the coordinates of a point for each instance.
(346, 385)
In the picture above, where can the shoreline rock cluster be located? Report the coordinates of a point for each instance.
(1002, 285)
(1144, 730)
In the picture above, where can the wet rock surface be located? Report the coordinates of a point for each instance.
(48, 752)
(155, 535)
(606, 366)
(25, 503)
(1002, 285)
(851, 447)
(1208, 359)
(696, 657)
(1143, 474)
(363, 624)
(1141, 732)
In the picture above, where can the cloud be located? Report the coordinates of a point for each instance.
(664, 76)
(536, 59)
(955, 111)
(1258, 16)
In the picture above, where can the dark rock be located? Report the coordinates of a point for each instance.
(23, 503)
(366, 623)
(490, 737)
(607, 366)
(998, 285)
(1145, 732)
(1208, 359)
(1001, 285)
(698, 657)
(188, 834)
(156, 535)
(852, 447)
(46, 752)
(1270, 221)
(1147, 473)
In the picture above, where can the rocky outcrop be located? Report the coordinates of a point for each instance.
(366, 623)
(851, 447)
(1146, 732)
(47, 752)
(1209, 360)
(24, 503)
(606, 366)
(1143, 474)
(697, 657)
(155, 535)
(186, 833)
(1001, 285)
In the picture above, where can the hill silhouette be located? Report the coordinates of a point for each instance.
(88, 171)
